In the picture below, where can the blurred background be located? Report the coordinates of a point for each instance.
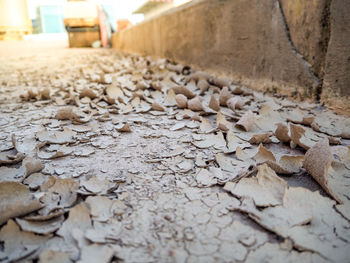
(88, 23)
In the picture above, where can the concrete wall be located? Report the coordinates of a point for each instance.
(288, 46)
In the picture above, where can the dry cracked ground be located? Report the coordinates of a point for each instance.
(108, 157)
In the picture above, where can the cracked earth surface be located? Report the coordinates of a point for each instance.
(107, 157)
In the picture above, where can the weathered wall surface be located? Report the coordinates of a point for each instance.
(278, 45)
(336, 84)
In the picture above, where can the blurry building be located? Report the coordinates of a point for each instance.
(152, 8)
(14, 19)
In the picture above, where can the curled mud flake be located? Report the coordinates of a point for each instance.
(16, 200)
(41, 227)
(31, 165)
(245, 155)
(203, 86)
(141, 85)
(222, 123)
(53, 256)
(214, 104)
(157, 106)
(205, 178)
(229, 164)
(198, 75)
(266, 189)
(96, 253)
(11, 159)
(286, 164)
(264, 155)
(185, 91)
(282, 133)
(220, 81)
(318, 160)
(69, 114)
(102, 208)
(45, 94)
(247, 121)
(123, 127)
(181, 101)
(175, 68)
(235, 103)
(233, 142)
(98, 186)
(195, 104)
(114, 94)
(260, 138)
(62, 151)
(59, 137)
(78, 218)
(205, 126)
(67, 190)
(87, 92)
(273, 252)
(225, 95)
(156, 85)
(170, 99)
(177, 126)
(19, 245)
(35, 180)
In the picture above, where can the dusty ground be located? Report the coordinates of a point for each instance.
(99, 164)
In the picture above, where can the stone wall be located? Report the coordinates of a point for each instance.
(294, 47)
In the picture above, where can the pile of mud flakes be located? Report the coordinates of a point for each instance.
(108, 157)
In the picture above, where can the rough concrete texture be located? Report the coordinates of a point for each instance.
(336, 87)
(308, 24)
(267, 45)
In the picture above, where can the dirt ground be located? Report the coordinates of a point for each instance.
(107, 157)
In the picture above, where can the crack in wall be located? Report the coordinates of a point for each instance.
(317, 89)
